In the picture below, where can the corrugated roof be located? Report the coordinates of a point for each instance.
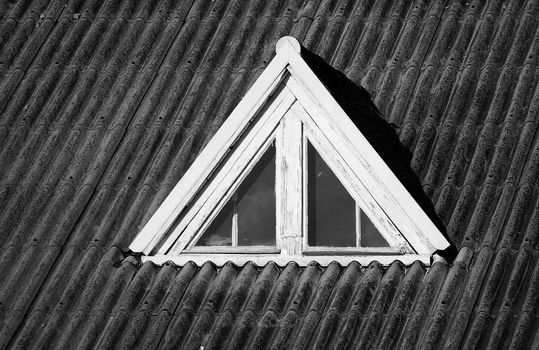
(103, 106)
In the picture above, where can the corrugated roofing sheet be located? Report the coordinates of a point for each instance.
(103, 106)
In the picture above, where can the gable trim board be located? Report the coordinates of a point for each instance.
(286, 83)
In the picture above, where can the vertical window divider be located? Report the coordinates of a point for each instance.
(305, 193)
(358, 226)
(279, 189)
(289, 182)
(235, 219)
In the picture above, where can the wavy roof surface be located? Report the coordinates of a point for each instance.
(104, 105)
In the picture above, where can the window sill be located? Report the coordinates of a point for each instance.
(233, 250)
(314, 251)
(282, 260)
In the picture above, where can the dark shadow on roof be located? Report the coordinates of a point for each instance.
(357, 103)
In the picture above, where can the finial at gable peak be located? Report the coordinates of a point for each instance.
(287, 43)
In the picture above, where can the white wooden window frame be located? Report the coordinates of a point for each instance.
(354, 186)
(287, 87)
(196, 229)
(291, 134)
(228, 177)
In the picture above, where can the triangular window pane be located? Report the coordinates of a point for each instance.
(248, 219)
(256, 203)
(331, 210)
(334, 220)
(370, 237)
(220, 231)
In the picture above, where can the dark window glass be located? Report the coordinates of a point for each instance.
(220, 231)
(331, 210)
(256, 204)
(370, 237)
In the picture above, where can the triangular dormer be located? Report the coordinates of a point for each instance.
(289, 177)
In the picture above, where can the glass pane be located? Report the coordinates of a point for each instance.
(331, 209)
(256, 204)
(370, 237)
(219, 233)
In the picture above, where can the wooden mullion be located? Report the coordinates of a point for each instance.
(358, 226)
(235, 219)
(290, 184)
(305, 178)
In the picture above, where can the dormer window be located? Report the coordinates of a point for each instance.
(289, 177)
(247, 221)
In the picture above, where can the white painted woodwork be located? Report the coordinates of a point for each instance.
(351, 250)
(290, 187)
(233, 250)
(288, 104)
(282, 260)
(209, 158)
(229, 176)
(287, 45)
(358, 225)
(234, 219)
(371, 177)
(316, 99)
(225, 188)
(305, 178)
(353, 183)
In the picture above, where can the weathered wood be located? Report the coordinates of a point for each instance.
(233, 250)
(358, 225)
(229, 176)
(209, 158)
(290, 174)
(390, 194)
(227, 158)
(234, 219)
(351, 251)
(315, 98)
(282, 260)
(353, 183)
